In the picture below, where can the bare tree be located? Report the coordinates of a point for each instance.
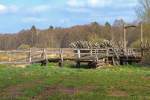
(143, 10)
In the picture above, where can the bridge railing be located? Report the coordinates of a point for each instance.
(37, 54)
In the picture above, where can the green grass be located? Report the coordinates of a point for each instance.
(54, 83)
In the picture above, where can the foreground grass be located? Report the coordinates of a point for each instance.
(53, 83)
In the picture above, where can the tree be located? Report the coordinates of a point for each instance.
(34, 36)
(108, 31)
(118, 23)
(143, 10)
(51, 27)
(95, 27)
(94, 38)
(107, 24)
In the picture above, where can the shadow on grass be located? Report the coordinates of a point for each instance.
(69, 64)
(84, 66)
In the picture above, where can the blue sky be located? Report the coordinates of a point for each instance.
(22, 14)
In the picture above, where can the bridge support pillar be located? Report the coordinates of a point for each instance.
(60, 63)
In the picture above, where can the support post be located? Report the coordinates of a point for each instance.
(30, 57)
(142, 52)
(78, 63)
(10, 56)
(124, 38)
(45, 57)
(91, 52)
(78, 59)
(79, 53)
(61, 58)
(107, 55)
(45, 54)
(96, 55)
(141, 34)
(113, 61)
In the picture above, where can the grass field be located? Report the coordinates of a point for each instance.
(54, 83)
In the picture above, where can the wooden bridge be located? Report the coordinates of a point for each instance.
(94, 57)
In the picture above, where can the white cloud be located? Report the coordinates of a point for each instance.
(8, 9)
(88, 3)
(76, 3)
(33, 20)
(39, 9)
(100, 3)
(3, 8)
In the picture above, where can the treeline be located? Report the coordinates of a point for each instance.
(62, 37)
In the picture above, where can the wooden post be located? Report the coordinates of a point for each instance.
(10, 56)
(61, 58)
(107, 56)
(91, 52)
(79, 53)
(30, 57)
(124, 38)
(45, 54)
(45, 57)
(78, 59)
(78, 63)
(96, 55)
(142, 52)
(113, 61)
(127, 57)
(96, 60)
(141, 34)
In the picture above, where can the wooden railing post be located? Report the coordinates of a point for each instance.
(79, 53)
(44, 54)
(91, 53)
(96, 55)
(10, 59)
(30, 56)
(62, 59)
(44, 57)
(107, 56)
(78, 59)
